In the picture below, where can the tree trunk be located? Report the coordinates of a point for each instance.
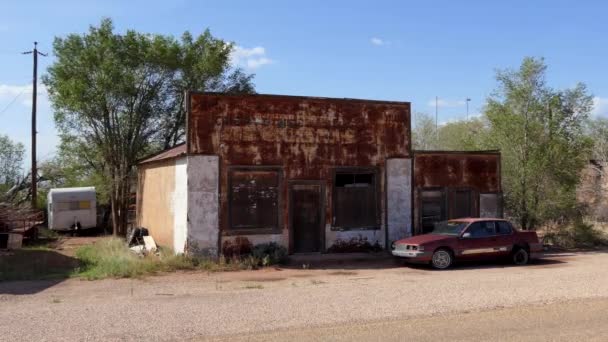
(119, 202)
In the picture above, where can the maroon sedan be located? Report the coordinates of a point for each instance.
(469, 239)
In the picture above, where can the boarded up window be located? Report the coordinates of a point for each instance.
(355, 200)
(432, 209)
(490, 205)
(254, 199)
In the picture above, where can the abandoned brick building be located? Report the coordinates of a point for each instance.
(305, 172)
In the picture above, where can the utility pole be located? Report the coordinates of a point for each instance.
(436, 116)
(35, 53)
(468, 100)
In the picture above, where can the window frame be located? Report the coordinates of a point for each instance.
(377, 198)
(229, 231)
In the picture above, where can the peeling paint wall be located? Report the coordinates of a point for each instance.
(306, 137)
(399, 198)
(203, 205)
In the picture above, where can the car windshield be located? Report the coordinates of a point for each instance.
(449, 227)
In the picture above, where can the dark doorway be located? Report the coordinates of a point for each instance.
(461, 204)
(306, 217)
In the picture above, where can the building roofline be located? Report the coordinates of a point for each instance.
(455, 152)
(171, 153)
(320, 98)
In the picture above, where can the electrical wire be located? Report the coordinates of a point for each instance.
(13, 101)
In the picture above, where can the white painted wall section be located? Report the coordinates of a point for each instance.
(372, 236)
(203, 205)
(180, 206)
(399, 198)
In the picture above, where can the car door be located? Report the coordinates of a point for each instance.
(478, 241)
(504, 238)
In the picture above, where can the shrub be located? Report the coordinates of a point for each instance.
(579, 234)
(241, 246)
(269, 253)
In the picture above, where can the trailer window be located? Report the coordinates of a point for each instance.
(73, 205)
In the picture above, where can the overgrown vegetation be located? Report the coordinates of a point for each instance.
(577, 234)
(110, 258)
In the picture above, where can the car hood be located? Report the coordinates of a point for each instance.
(426, 238)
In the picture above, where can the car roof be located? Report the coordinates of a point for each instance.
(476, 219)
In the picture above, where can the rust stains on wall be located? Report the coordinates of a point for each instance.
(477, 170)
(449, 185)
(306, 137)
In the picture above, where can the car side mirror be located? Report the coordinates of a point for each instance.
(466, 235)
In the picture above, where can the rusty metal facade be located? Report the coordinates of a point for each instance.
(306, 138)
(450, 172)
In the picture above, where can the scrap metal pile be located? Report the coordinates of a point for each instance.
(21, 220)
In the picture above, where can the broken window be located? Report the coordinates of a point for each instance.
(254, 199)
(355, 199)
(433, 210)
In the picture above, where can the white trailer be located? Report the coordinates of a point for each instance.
(72, 208)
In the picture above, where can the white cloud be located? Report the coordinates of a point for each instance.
(442, 103)
(250, 58)
(600, 106)
(22, 93)
(8, 91)
(379, 41)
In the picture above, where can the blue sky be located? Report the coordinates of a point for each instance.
(391, 50)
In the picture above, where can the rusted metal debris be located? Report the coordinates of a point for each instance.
(21, 220)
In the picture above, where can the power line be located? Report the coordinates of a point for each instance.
(12, 101)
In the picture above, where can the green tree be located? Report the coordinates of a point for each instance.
(540, 132)
(463, 135)
(118, 97)
(11, 161)
(424, 134)
(598, 131)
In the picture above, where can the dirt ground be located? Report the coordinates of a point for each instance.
(201, 306)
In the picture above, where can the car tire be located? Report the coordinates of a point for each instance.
(520, 256)
(442, 259)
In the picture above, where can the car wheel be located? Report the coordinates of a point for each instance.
(520, 256)
(442, 259)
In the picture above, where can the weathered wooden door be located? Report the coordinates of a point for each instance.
(306, 217)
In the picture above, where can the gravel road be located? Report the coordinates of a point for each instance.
(198, 305)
